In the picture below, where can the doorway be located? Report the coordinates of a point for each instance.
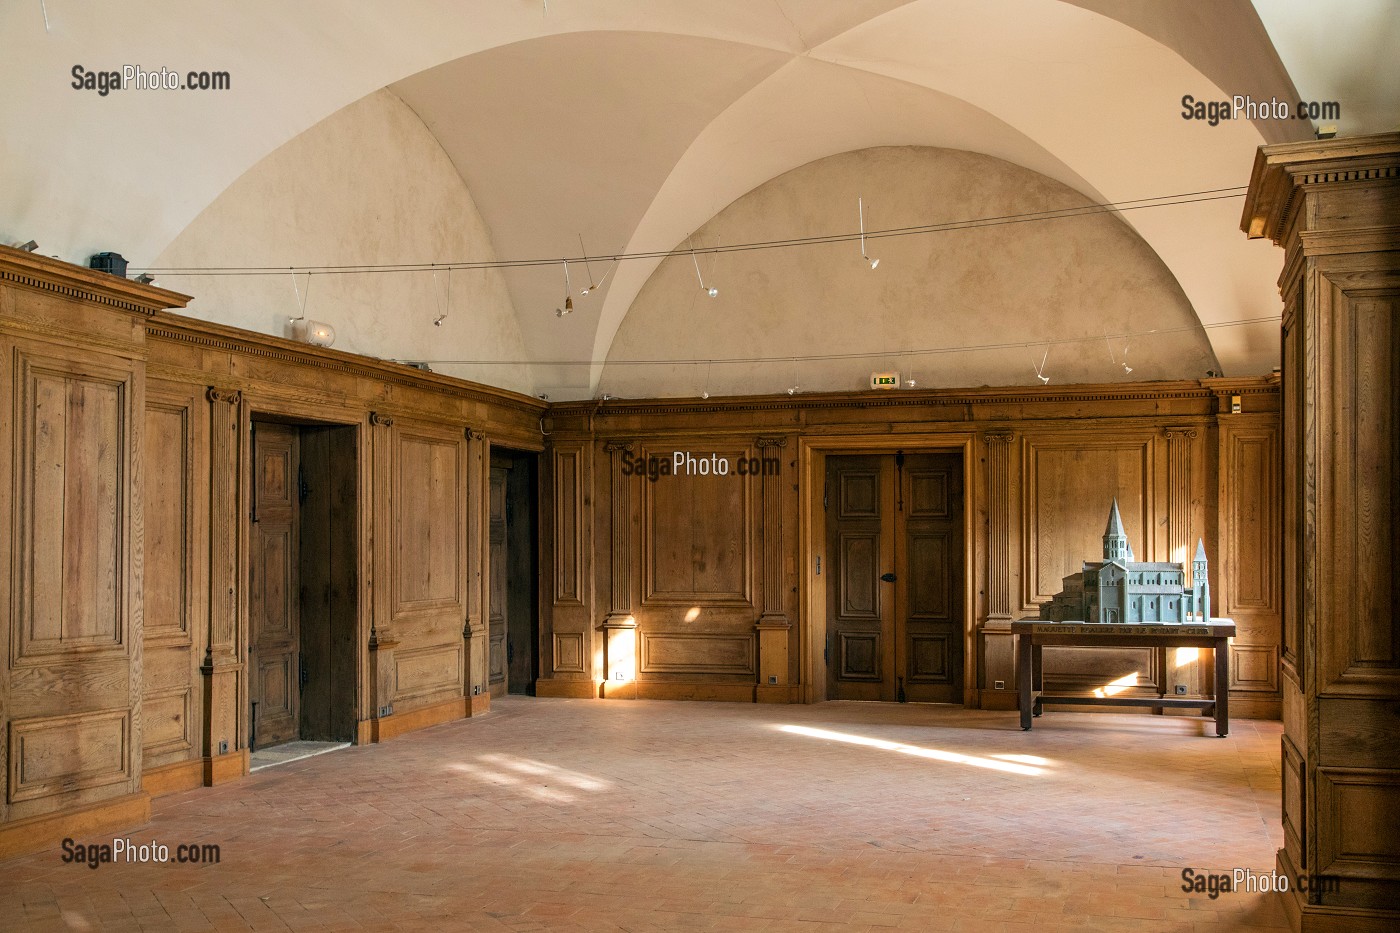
(302, 585)
(894, 540)
(513, 593)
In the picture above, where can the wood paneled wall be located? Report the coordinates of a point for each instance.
(704, 586)
(126, 545)
(1334, 206)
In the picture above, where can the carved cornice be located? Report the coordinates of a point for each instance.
(614, 446)
(381, 419)
(998, 437)
(210, 336)
(472, 434)
(55, 276)
(1174, 432)
(763, 443)
(229, 396)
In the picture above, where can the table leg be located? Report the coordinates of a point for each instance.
(1023, 678)
(1037, 676)
(1222, 687)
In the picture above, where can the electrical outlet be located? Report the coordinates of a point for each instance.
(476, 690)
(617, 675)
(998, 685)
(773, 679)
(1181, 690)
(223, 746)
(386, 710)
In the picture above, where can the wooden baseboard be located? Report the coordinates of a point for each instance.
(37, 833)
(733, 693)
(388, 727)
(481, 703)
(1312, 918)
(220, 769)
(566, 689)
(1252, 708)
(776, 693)
(173, 778)
(1002, 700)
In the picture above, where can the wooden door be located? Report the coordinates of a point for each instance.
(497, 592)
(274, 638)
(929, 562)
(895, 580)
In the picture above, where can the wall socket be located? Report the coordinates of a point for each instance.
(1181, 690)
(998, 685)
(223, 746)
(476, 690)
(773, 679)
(618, 675)
(386, 710)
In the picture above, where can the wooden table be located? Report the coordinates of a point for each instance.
(1033, 634)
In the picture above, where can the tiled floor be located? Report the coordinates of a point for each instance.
(575, 814)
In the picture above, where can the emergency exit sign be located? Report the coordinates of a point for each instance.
(884, 380)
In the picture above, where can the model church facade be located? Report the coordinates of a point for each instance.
(1120, 589)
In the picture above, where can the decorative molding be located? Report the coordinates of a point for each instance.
(229, 396)
(999, 517)
(615, 446)
(55, 276)
(1179, 492)
(764, 443)
(620, 583)
(772, 540)
(471, 434)
(1174, 432)
(381, 419)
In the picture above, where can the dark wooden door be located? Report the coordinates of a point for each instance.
(895, 580)
(498, 604)
(274, 642)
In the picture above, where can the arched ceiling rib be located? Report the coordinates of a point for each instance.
(573, 122)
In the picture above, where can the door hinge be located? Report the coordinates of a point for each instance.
(303, 490)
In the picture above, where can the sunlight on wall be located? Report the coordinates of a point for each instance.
(1115, 687)
(1185, 656)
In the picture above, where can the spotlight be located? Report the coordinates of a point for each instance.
(792, 390)
(316, 333)
(437, 321)
(567, 309)
(1127, 368)
(709, 290)
(874, 263)
(28, 247)
(145, 278)
(1044, 380)
(704, 394)
(910, 382)
(712, 292)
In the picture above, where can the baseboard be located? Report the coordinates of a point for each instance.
(173, 778)
(481, 703)
(1315, 918)
(732, 693)
(566, 689)
(1002, 700)
(220, 769)
(775, 693)
(1252, 708)
(37, 833)
(388, 727)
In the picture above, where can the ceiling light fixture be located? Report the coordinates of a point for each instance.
(711, 291)
(568, 307)
(437, 298)
(1040, 370)
(1114, 357)
(860, 207)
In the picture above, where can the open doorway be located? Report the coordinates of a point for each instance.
(302, 585)
(513, 594)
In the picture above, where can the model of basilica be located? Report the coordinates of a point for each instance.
(1119, 589)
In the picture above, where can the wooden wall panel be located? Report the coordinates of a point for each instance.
(569, 526)
(429, 520)
(1071, 480)
(61, 754)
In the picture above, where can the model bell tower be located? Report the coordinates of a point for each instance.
(1200, 581)
(1115, 540)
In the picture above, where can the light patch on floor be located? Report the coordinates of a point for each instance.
(288, 752)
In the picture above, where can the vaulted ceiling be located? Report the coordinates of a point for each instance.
(633, 124)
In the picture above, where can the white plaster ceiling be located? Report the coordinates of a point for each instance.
(634, 123)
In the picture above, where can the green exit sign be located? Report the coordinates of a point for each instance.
(884, 380)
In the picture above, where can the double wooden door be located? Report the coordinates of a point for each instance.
(274, 642)
(894, 528)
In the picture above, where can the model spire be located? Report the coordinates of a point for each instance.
(1115, 540)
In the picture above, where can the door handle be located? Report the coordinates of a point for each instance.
(887, 577)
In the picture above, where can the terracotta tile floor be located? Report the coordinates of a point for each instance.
(617, 815)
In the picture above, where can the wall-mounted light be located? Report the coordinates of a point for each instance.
(316, 333)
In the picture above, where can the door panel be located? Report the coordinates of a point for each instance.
(274, 642)
(895, 585)
(497, 594)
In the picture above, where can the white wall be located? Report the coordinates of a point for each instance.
(1021, 283)
(369, 184)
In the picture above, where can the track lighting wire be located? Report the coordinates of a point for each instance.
(856, 355)
(1170, 200)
